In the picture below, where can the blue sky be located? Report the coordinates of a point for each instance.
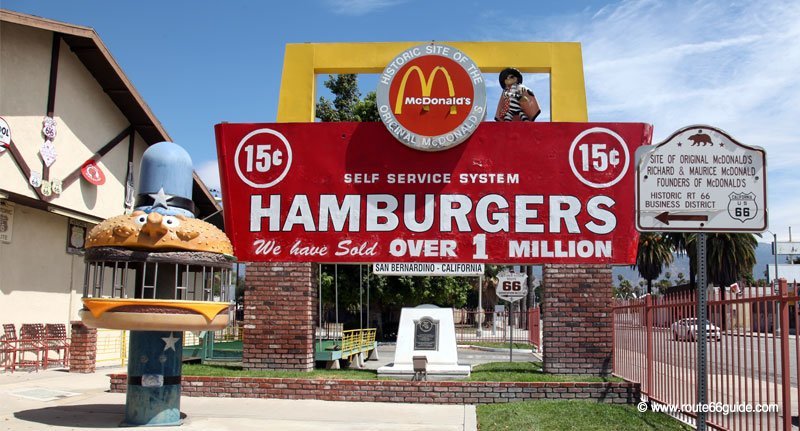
(733, 65)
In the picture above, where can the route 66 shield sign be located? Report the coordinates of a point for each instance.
(511, 285)
(742, 206)
(49, 128)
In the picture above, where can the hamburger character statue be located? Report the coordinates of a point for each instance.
(158, 272)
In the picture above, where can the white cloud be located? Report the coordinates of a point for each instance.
(732, 65)
(208, 171)
(360, 7)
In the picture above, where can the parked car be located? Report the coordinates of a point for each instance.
(686, 329)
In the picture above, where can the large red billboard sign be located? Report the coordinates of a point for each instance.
(350, 192)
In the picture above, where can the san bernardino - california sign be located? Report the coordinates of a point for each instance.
(431, 97)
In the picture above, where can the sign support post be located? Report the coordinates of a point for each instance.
(510, 331)
(702, 336)
(511, 287)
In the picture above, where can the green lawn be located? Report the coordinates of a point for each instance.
(221, 345)
(571, 415)
(526, 372)
(491, 372)
(522, 346)
(237, 371)
(237, 345)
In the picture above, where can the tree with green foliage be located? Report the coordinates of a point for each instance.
(624, 289)
(347, 104)
(682, 245)
(343, 282)
(663, 285)
(653, 253)
(730, 257)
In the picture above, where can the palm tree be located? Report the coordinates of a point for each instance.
(729, 256)
(654, 251)
(624, 290)
(683, 244)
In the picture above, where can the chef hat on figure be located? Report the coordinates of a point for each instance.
(165, 181)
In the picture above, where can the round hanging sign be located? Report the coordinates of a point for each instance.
(92, 173)
(5, 135)
(431, 97)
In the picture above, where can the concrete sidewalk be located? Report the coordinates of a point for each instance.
(60, 400)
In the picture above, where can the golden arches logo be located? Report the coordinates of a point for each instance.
(462, 104)
(427, 85)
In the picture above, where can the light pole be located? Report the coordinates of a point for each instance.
(775, 252)
(775, 283)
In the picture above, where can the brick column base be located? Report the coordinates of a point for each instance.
(577, 315)
(83, 348)
(279, 309)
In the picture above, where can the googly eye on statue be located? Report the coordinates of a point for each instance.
(171, 221)
(141, 219)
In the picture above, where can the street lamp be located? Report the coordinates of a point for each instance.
(775, 252)
(776, 282)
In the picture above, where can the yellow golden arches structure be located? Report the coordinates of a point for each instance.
(562, 60)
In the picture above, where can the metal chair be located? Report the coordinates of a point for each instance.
(56, 341)
(31, 340)
(9, 346)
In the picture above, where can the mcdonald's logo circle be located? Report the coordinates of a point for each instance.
(431, 97)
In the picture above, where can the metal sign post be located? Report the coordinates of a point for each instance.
(511, 287)
(702, 336)
(510, 332)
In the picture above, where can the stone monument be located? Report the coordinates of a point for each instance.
(428, 331)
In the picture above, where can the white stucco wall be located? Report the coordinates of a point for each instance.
(86, 118)
(39, 281)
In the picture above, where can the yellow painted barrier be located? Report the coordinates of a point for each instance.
(357, 340)
(562, 60)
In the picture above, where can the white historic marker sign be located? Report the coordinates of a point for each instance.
(701, 180)
(511, 285)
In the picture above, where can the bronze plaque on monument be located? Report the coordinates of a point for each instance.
(426, 334)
